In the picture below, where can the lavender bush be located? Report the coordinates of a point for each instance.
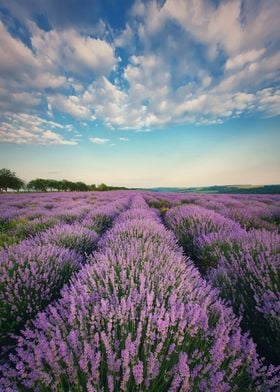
(100, 219)
(30, 277)
(243, 265)
(190, 223)
(248, 276)
(74, 237)
(25, 228)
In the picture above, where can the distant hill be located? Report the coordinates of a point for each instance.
(252, 189)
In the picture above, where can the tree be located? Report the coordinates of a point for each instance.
(52, 184)
(102, 187)
(81, 186)
(17, 184)
(38, 185)
(65, 185)
(9, 180)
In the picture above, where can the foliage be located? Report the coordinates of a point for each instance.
(9, 180)
(31, 276)
(45, 185)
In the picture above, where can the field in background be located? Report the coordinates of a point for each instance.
(227, 189)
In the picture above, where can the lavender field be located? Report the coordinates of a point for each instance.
(139, 291)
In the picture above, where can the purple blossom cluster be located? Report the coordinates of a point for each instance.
(34, 271)
(30, 277)
(137, 317)
(251, 211)
(25, 215)
(101, 218)
(192, 224)
(74, 236)
(23, 228)
(247, 274)
(243, 265)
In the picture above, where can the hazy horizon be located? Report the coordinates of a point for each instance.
(175, 93)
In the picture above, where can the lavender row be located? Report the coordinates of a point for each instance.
(33, 272)
(22, 216)
(13, 205)
(258, 213)
(251, 211)
(138, 317)
(243, 265)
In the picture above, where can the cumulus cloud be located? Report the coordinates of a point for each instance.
(18, 100)
(73, 51)
(125, 37)
(161, 91)
(25, 71)
(61, 15)
(241, 59)
(20, 67)
(252, 75)
(151, 100)
(16, 58)
(23, 128)
(233, 25)
(69, 104)
(99, 140)
(121, 110)
(269, 102)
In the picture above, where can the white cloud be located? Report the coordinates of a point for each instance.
(216, 25)
(98, 140)
(192, 105)
(21, 67)
(269, 102)
(73, 51)
(16, 101)
(29, 129)
(241, 59)
(16, 58)
(138, 9)
(54, 138)
(123, 139)
(137, 107)
(252, 75)
(69, 105)
(47, 79)
(26, 70)
(205, 22)
(147, 104)
(126, 36)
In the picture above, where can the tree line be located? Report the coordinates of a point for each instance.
(9, 180)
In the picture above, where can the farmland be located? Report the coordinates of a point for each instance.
(139, 291)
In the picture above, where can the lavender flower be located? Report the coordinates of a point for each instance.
(243, 265)
(30, 278)
(74, 237)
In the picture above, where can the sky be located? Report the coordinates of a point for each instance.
(141, 93)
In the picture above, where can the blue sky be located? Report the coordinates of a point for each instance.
(141, 93)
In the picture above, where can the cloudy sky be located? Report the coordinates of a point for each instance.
(141, 93)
